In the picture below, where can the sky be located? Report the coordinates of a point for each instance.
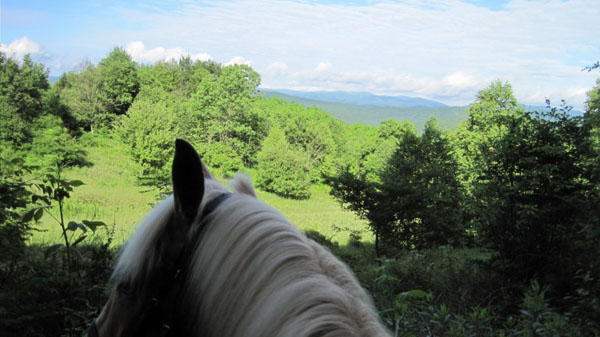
(444, 50)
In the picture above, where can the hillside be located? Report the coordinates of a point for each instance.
(449, 117)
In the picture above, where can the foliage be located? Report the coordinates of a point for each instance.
(282, 168)
(420, 193)
(15, 129)
(311, 130)
(222, 112)
(411, 197)
(149, 128)
(179, 77)
(82, 92)
(119, 81)
(15, 195)
(486, 125)
(22, 88)
(23, 85)
(53, 145)
(533, 200)
(591, 121)
(222, 162)
(36, 298)
(55, 189)
(40, 300)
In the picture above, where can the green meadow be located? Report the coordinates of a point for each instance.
(112, 193)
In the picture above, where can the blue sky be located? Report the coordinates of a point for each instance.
(445, 50)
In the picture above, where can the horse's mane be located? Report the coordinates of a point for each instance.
(137, 250)
(255, 274)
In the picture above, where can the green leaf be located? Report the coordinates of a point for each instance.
(29, 215)
(38, 214)
(416, 293)
(76, 183)
(79, 239)
(93, 224)
(72, 226)
(52, 249)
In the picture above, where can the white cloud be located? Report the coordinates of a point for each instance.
(276, 69)
(139, 53)
(238, 60)
(323, 67)
(19, 48)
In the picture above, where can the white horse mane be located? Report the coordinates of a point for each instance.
(255, 274)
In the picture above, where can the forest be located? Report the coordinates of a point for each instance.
(487, 229)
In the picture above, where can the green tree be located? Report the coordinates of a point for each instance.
(222, 112)
(119, 81)
(420, 192)
(15, 129)
(493, 108)
(312, 130)
(532, 198)
(361, 141)
(22, 89)
(52, 145)
(283, 168)
(149, 129)
(407, 188)
(179, 77)
(82, 92)
(592, 117)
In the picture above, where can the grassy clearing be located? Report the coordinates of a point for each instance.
(112, 194)
(320, 213)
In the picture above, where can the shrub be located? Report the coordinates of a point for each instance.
(282, 168)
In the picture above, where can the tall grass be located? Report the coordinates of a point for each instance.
(112, 194)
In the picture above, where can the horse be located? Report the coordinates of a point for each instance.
(217, 263)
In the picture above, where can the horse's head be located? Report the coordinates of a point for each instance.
(147, 275)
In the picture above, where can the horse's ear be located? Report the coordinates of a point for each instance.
(188, 181)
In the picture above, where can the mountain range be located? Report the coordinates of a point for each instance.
(366, 108)
(370, 109)
(362, 98)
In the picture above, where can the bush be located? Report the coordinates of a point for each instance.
(41, 299)
(221, 158)
(282, 168)
(149, 128)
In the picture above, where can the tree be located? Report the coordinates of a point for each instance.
(282, 168)
(493, 108)
(22, 89)
(149, 129)
(317, 133)
(409, 191)
(592, 116)
(533, 200)
(420, 193)
(119, 79)
(222, 112)
(179, 77)
(82, 92)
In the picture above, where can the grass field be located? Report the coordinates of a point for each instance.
(112, 194)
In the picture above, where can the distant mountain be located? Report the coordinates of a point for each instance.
(361, 98)
(541, 108)
(449, 117)
(53, 79)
